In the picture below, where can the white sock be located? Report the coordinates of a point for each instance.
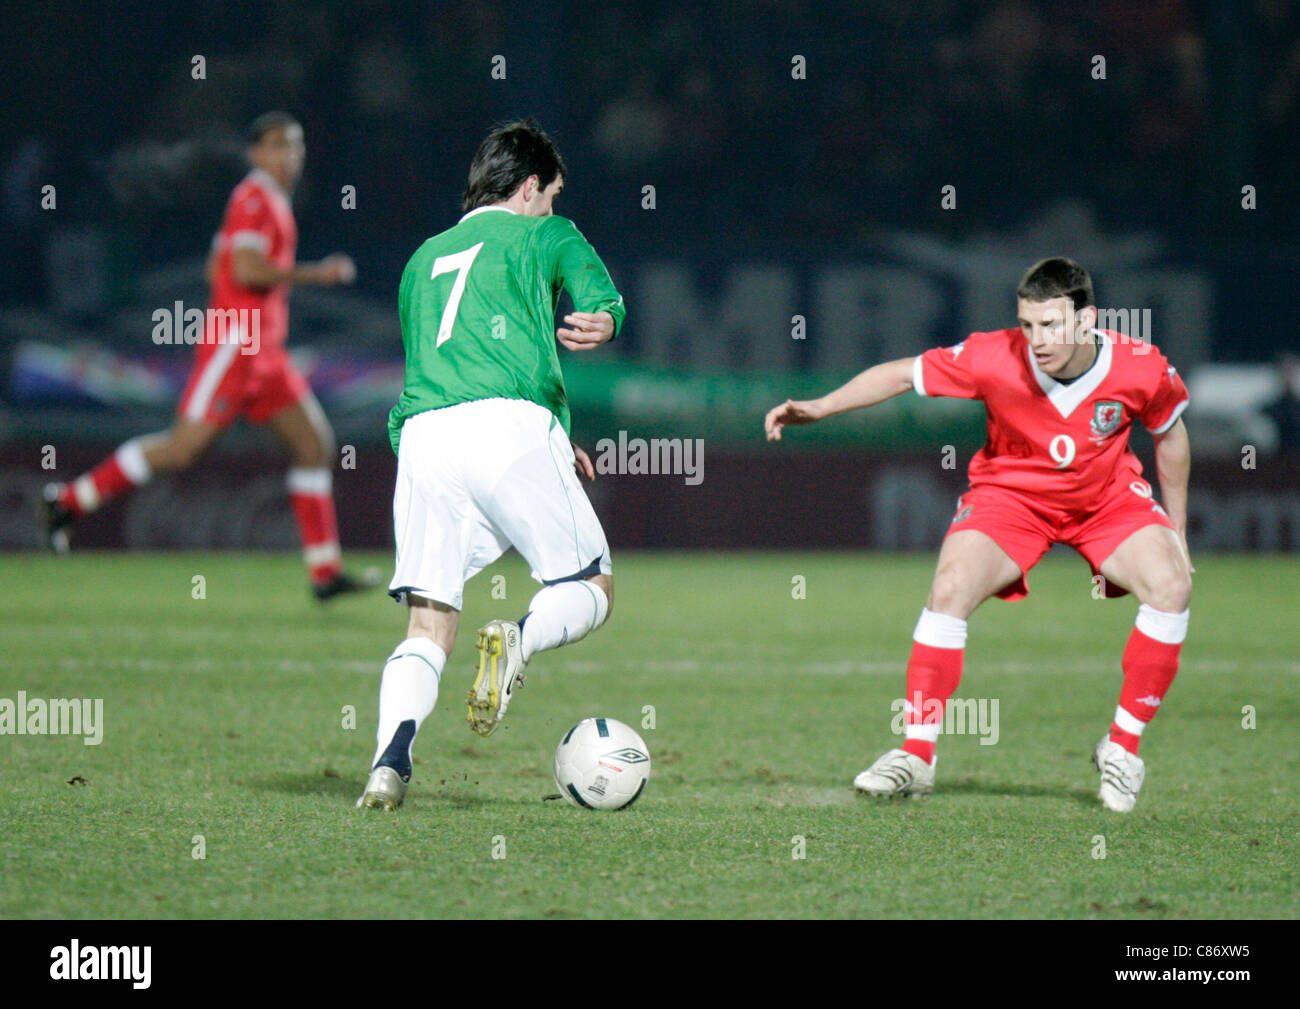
(408, 692)
(562, 614)
(130, 457)
(938, 630)
(315, 480)
(130, 460)
(1167, 628)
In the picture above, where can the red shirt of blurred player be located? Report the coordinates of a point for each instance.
(258, 217)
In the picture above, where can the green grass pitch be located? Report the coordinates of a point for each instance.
(224, 726)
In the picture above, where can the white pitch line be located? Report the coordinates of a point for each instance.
(669, 666)
(850, 668)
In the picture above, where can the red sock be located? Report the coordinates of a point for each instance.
(1150, 665)
(933, 673)
(124, 469)
(311, 494)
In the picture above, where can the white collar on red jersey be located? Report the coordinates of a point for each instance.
(480, 210)
(1068, 397)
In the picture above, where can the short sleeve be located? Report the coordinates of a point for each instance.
(945, 371)
(249, 223)
(1167, 401)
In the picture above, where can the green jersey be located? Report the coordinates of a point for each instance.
(477, 307)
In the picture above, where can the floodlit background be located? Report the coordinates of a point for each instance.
(736, 164)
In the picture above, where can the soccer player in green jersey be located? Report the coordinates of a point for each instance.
(481, 433)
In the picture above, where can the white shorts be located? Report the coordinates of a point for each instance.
(477, 478)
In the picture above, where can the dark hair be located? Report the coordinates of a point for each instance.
(267, 122)
(507, 156)
(1057, 277)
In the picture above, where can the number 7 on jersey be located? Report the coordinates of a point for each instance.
(460, 262)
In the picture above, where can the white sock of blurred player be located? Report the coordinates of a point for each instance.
(562, 614)
(407, 694)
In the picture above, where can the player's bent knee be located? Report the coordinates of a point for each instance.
(950, 594)
(1166, 584)
(1172, 594)
(323, 449)
(313, 453)
(310, 458)
(606, 583)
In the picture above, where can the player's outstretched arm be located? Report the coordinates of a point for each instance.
(1173, 467)
(875, 385)
(252, 268)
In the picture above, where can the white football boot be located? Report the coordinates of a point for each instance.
(1121, 775)
(500, 674)
(385, 789)
(897, 773)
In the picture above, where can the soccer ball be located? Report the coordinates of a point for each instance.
(601, 764)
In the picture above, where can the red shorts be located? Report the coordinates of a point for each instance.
(1026, 527)
(227, 384)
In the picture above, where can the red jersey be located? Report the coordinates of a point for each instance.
(258, 216)
(1067, 442)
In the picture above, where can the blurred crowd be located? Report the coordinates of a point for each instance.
(1003, 100)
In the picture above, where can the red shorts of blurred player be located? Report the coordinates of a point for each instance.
(1026, 527)
(227, 384)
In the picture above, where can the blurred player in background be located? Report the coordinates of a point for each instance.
(1061, 397)
(243, 369)
(481, 433)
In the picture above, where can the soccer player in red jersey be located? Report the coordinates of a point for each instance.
(1060, 397)
(242, 368)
